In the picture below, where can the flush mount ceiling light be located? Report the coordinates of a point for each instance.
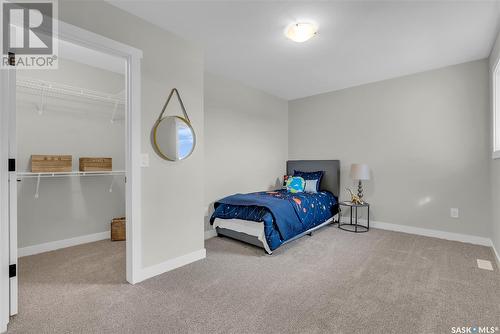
(301, 31)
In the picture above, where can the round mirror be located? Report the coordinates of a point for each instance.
(174, 138)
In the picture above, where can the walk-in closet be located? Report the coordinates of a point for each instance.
(71, 147)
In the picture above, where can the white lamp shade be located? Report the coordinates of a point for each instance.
(360, 172)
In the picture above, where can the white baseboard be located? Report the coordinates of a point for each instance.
(172, 264)
(470, 239)
(53, 245)
(210, 234)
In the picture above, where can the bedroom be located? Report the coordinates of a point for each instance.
(402, 87)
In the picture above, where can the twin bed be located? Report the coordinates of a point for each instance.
(270, 219)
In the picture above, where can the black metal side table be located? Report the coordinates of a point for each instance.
(353, 225)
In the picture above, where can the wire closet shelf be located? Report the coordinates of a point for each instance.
(49, 88)
(22, 175)
(46, 89)
(39, 176)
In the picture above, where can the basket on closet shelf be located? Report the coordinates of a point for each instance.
(118, 229)
(96, 164)
(51, 163)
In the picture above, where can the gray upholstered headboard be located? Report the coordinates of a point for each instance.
(331, 168)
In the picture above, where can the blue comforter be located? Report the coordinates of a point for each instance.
(284, 214)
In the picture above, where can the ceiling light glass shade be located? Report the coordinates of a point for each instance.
(301, 32)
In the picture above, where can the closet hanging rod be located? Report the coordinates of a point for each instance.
(39, 176)
(23, 175)
(50, 88)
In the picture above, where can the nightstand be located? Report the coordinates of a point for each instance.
(353, 225)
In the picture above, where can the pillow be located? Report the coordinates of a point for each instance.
(311, 186)
(310, 176)
(295, 184)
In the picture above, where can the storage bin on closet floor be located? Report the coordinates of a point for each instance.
(118, 229)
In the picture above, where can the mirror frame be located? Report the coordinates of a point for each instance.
(185, 119)
(157, 147)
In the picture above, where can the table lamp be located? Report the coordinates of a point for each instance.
(360, 172)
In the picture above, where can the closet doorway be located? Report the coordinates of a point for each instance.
(71, 145)
(88, 108)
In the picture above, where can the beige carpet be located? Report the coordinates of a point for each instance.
(332, 282)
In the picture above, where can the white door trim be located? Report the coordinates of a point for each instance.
(13, 281)
(4, 200)
(133, 57)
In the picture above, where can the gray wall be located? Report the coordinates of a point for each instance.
(495, 164)
(69, 207)
(425, 137)
(246, 139)
(172, 193)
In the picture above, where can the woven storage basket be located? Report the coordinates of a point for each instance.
(51, 163)
(118, 229)
(96, 164)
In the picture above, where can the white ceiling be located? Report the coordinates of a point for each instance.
(358, 42)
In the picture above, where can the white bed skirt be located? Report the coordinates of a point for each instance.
(255, 229)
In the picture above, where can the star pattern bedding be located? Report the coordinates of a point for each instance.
(284, 214)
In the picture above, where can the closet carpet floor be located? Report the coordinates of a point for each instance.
(332, 282)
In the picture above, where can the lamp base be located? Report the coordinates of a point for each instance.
(360, 190)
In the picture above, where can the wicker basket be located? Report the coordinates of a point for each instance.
(96, 164)
(51, 163)
(118, 229)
